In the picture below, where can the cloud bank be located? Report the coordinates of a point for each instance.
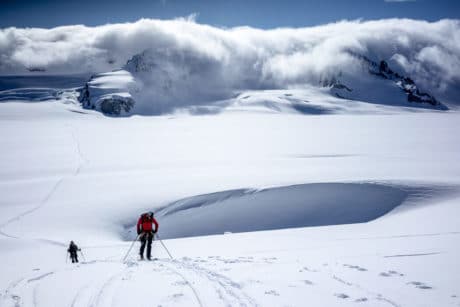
(190, 56)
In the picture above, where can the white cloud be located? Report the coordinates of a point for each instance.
(192, 57)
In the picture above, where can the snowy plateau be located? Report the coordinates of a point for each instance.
(341, 191)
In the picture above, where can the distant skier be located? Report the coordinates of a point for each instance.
(145, 231)
(73, 249)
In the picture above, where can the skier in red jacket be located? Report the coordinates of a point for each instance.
(146, 232)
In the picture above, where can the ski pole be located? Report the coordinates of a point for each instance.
(82, 255)
(129, 250)
(164, 246)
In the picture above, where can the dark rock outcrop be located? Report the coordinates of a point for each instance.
(108, 93)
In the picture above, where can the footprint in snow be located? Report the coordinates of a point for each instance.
(356, 267)
(180, 283)
(230, 261)
(127, 276)
(308, 282)
(272, 292)
(17, 300)
(360, 300)
(340, 280)
(420, 285)
(254, 281)
(341, 295)
(132, 263)
(244, 258)
(307, 270)
(176, 296)
(269, 260)
(390, 274)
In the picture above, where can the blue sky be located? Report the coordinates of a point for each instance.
(261, 14)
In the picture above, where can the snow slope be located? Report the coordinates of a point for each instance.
(69, 173)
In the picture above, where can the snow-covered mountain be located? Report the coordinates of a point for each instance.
(379, 84)
(153, 84)
(180, 64)
(211, 62)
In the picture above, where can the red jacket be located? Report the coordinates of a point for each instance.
(145, 224)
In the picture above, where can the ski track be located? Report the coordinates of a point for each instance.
(100, 295)
(199, 279)
(27, 212)
(80, 161)
(22, 286)
(228, 290)
(39, 277)
(34, 296)
(100, 292)
(81, 157)
(7, 293)
(188, 283)
(11, 293)
(209, 288)
(78, 295)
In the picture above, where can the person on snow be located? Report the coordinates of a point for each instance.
(146, 232)
(73, 249)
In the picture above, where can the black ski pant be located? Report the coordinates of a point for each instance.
(74, 257)
(146, 237)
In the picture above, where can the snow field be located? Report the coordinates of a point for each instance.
(71, 174)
